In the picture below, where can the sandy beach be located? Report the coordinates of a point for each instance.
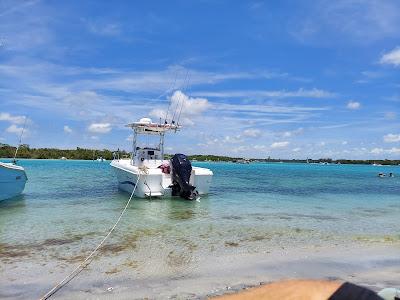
(372, 265)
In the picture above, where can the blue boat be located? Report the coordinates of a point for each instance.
(12, 180)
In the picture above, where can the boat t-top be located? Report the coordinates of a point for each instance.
(155, 176)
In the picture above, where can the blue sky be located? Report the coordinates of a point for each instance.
(286, 79)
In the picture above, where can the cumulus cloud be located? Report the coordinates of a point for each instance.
(12, 119)
(353, 104)
(14, 129)
(391, 58)
(190, 106)
(184, 105)
(391, 138)
(67, 129)
(99, 127)
(277, 145)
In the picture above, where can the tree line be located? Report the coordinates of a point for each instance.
(7, 151)
(24, 151)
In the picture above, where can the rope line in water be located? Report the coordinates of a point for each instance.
(90, 257)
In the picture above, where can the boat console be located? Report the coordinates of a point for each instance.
(148, 153)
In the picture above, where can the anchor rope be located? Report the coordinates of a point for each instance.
(90, 257)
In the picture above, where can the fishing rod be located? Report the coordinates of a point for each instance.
(19, 143)
(169, 105)
(183, 100)
(179, 97)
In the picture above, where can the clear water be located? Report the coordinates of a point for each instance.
(68, 206)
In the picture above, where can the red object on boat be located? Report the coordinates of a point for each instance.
(165, 168)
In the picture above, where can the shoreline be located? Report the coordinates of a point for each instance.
(255, 161)
(372, 265)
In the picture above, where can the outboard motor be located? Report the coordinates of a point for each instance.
(181, 170)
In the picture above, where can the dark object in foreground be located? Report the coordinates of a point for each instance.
(181, 171)
(351, 291)
(305, 290)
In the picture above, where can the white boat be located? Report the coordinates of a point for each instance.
(155, 176)
(12, 180)
(100, 159)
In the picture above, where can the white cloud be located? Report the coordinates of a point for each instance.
(391, 58)
(353, 105)
(67, 129)
(295, 132)
(279, 145)
(393, 150)
(391, 138)
(99, 127)
(232, 139)
(344, 143)
(158, 113)
(182, 107)
(188, 105)
(296, 149)
(14, 129)
(377, 150)
(343, 21)
(300, 93)
(252, 132)
(12, 119)
(241, 149)
(385, 151)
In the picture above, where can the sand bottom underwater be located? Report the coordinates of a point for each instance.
(120, 277)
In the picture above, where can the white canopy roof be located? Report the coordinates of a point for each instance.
(146, 126)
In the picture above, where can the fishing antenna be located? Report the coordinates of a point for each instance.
(179, 98)
(183, 101)
(170, 100)
(19, 143)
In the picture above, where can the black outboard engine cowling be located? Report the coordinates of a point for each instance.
(181, 170)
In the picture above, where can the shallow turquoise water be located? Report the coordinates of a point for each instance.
(68, 206)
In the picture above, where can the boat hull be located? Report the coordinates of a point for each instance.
(12, 180)
(154, 183)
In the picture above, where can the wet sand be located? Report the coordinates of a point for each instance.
(114, 277)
